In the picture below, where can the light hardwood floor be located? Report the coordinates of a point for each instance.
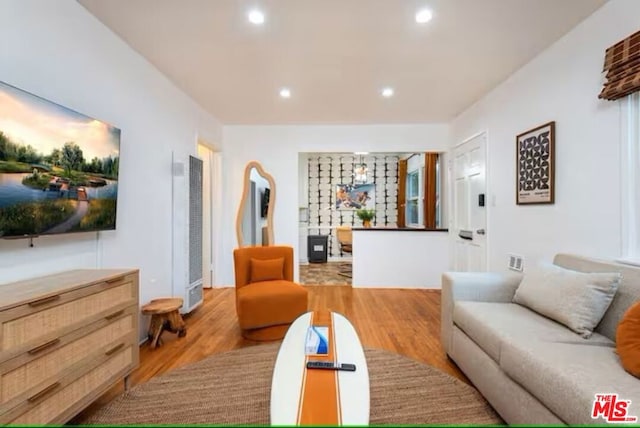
(399, 320)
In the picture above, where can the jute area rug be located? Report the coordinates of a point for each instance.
(234, 388)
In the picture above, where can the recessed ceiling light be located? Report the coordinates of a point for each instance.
(285, 93)
(387, 92)
(423, 16)
(256, 17)
(360, 153)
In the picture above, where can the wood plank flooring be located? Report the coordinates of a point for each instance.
(403, 321)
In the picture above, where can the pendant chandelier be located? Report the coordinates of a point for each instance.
(360, 171)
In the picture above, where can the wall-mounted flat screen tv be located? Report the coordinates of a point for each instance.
(58, 168)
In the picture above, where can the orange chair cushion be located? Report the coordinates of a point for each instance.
(263, 304)
(267, 270)
(628, 340)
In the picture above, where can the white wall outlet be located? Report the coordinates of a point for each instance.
(516, 262)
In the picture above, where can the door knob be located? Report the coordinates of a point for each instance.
(480, 231)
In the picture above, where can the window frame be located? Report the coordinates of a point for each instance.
(419, 198)
(630, 179)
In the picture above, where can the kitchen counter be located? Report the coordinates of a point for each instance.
(399, 257)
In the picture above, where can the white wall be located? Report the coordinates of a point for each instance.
(57, 50)
(561, 84)
(277, 148)
(303, 206)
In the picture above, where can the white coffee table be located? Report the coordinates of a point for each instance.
(301, 397)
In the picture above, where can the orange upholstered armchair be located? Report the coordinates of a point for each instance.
(267, 299)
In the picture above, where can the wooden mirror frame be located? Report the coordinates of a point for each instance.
(243, 199)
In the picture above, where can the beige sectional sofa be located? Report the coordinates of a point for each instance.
(530, 368)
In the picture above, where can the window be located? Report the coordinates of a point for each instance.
(414, 198)
(631, 178)
(423, 191)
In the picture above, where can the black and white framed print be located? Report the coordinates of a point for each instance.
(535, 165)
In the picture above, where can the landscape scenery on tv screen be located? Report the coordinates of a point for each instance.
(58, 168)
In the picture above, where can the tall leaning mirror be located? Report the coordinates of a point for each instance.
(254, 222)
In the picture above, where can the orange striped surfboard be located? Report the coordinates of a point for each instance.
(304, 396)
(319, 395)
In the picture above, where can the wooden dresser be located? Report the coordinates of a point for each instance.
(65, 339)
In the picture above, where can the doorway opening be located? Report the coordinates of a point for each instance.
(210, 194)
(336, 187)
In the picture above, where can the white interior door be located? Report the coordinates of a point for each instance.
(470, 205)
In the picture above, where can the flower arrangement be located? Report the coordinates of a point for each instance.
(366, 216)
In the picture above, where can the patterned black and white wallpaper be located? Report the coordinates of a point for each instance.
(327, 170)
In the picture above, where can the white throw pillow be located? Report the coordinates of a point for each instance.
(575, 299)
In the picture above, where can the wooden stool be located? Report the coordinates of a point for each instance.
(165, 315)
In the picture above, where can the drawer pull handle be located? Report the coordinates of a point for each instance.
(44, 392)
(44, 346)
(114, 315)
(44, 301)
(114, 349)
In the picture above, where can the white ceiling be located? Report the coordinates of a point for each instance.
(336, 55)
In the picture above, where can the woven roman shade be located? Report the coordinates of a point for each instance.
(622, 64)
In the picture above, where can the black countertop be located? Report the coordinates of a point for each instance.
(398, 229)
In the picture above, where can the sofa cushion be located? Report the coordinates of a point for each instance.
(490, 324)
(268, 303)
(575, 299)
(565, 377)
(628, 340)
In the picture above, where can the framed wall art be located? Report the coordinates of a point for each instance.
(535, 165)
(355, 196)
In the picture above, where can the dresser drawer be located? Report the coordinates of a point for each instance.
(58, 399)
(65, 339)
(37, 322)
(52, 359)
